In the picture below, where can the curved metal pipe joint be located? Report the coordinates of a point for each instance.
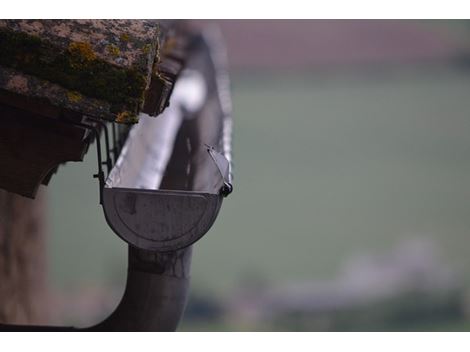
(156, 282)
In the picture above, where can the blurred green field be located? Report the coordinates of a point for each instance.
(327, 166)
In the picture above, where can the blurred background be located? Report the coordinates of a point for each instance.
(351, 208)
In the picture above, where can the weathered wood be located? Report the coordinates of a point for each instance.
(31, 146)
(22, 260)
(172, 57)
(108, 69)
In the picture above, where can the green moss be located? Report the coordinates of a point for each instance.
(76, 68)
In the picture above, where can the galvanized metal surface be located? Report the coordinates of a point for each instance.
(147, 150)
(156, 292)
(160, 220)
(163, 220)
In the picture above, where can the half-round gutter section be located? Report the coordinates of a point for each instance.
(171, 154)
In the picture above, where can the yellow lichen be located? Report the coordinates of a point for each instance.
(126, 117)
(113, 50)
(146, 48)
(124, 37)
(83, 50)
(74, 96)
